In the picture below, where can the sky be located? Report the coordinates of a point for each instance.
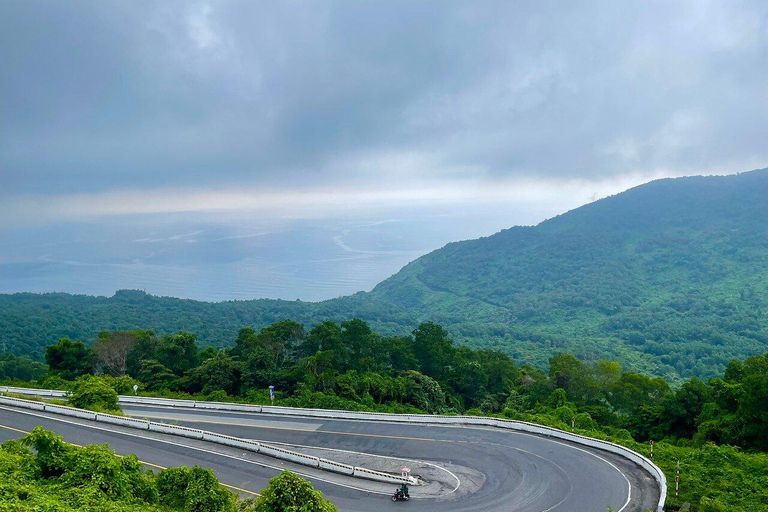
(218, 150)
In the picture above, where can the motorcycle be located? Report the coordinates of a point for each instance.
(401, 495)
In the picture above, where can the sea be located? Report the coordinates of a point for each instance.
(236, 255)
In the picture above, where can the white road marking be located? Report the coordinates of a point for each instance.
(629, 484)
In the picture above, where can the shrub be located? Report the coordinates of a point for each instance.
(287, 492)
(94, 393)
(194, 490)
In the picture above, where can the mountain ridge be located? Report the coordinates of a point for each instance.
(667, 277)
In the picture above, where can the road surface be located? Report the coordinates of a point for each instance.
(465, 468)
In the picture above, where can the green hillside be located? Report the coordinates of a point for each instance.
(669, 277)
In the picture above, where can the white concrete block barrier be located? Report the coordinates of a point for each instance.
(235, 442)
(70, 411)
(33, 391)
(223, 406)
(122, 420)
(382, 477)
(336, 467)
(282, 453)
(148, 400)
(175, 430)
(18, 402)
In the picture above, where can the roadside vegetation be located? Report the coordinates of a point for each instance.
(716, 429)
(42, 473)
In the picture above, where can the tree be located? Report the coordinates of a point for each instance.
(574, 377)
(633, 390)
(178, 352)
(434, 349)
(682, 408)
(144, 348)
(155, 375)
(69, 359)
(424, 392)
(219, 372)
(752, 405)
(322, 337)
(245, 342)
(287, 492)
(22, 368)
(355, 343)
(94, 393)
(111, 351)
(400, 351)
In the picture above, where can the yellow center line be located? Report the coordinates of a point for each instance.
(150, 464)
(308, 430)
(14, 429)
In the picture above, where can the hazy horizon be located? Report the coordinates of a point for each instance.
(239, 257)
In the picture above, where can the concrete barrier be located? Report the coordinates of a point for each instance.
(176, 430)
(235, 442)
(147, 400)
(336, 467)
(33, 391)
(18, 402)
(282, 453)
(222, 406)
(70, 411)
(382, 477)
(121, 420)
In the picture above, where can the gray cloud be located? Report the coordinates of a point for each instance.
(150, 95)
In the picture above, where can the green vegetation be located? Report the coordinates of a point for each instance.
(20, 368)
(93, 393)
(716, 429)
(288, 492)
(60, 477)
(42, 473)
(667, 278)
(348, 366)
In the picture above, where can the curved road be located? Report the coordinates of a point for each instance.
(490, 469)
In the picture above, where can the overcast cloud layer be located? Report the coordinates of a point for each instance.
(106, 95)
(320, 109)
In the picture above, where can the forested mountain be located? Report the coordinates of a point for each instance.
(669, 277)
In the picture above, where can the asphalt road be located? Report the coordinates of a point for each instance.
(496, 470)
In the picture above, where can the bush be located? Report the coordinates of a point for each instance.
(287, 492)
(53, 455)
(56, 382)
(194, 490)
(123, 385)
(218, 396)
(93, 393)
(58, 477)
